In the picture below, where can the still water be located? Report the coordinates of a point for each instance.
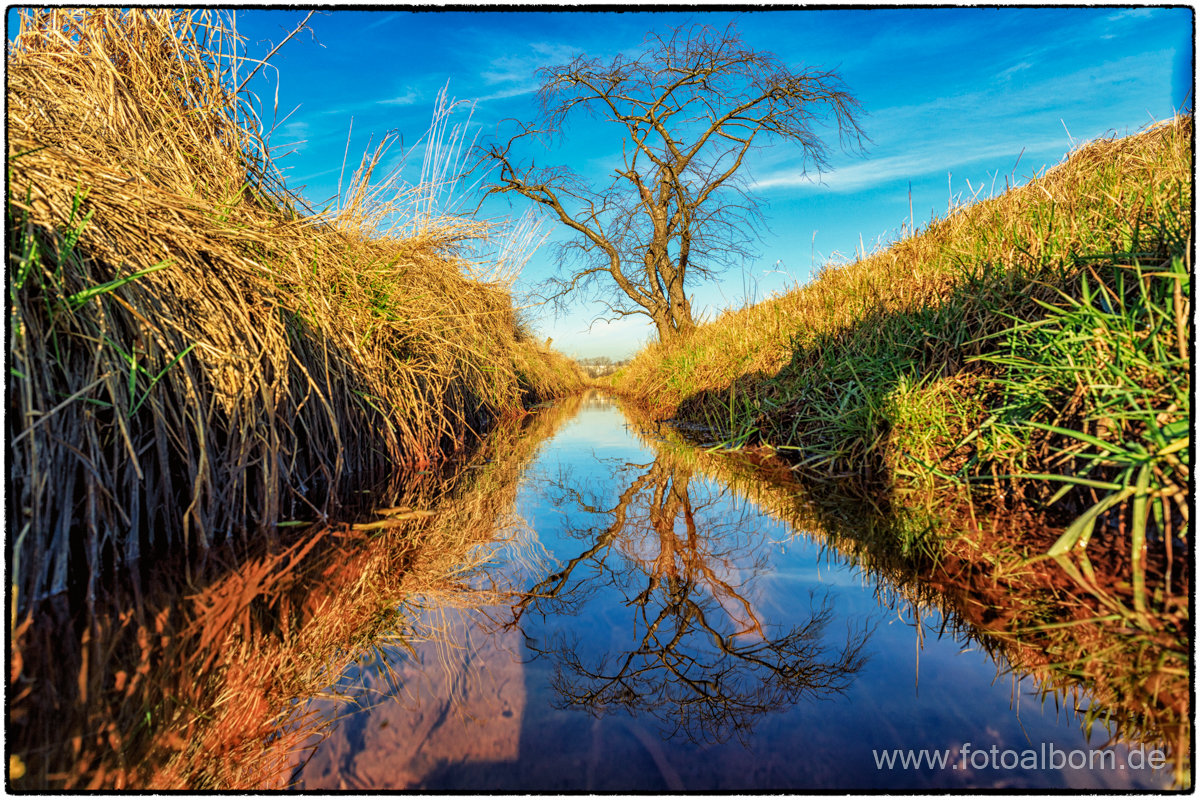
(647, 628)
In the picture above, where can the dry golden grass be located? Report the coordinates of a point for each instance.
(194, 359)
(200, 369)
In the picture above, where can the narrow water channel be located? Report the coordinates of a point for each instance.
(647, 628)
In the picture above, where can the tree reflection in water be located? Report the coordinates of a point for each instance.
(694, 652)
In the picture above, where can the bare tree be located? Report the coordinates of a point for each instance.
(676, 211)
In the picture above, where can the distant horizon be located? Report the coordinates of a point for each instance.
(957, 102)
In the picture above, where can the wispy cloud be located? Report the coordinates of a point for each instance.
(512, 91)
(1014, 69)
(507, 69)
(293, 132)
(911, 165)
(1118, 24)
(407, 99)
(520, 70)
(385, 19)
(321, 174)
(343, 109)
(1130, 13)
(947, 133)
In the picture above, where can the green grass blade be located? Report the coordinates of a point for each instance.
(79, 298)
(1080, 531)
(158, 377)
(1137, 541)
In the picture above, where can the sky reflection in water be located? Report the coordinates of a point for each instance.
(677, 638)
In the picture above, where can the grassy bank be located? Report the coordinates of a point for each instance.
(195, 358)
(1033, 347)
(1010, 388)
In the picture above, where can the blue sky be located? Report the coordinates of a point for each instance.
(951, 98)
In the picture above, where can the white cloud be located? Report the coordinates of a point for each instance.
(945, 133)
(521, 68)
(911, 165)
(519, 72)
(410, 97)
(512, 91)
(554, 53)
(292, 132)
(1130, 13)
(407, 99)
(313, 175)
(1015, 68)
(507, 69)
(385, 19)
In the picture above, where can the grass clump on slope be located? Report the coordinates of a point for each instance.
(194, 360)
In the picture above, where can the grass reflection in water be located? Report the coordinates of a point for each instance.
(201, 684)
(1124, 685)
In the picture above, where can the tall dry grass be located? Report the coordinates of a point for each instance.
(195, 359)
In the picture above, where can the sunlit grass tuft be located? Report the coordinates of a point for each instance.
(1097, 390)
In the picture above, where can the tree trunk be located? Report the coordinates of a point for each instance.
(673, 327)
(680, 309)
(666, 331)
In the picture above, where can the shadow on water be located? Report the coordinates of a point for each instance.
(691, 622)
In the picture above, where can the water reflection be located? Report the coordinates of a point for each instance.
(1119, 685)
(201, 684)
(679, 637)
(692, 651)
(579, 608)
